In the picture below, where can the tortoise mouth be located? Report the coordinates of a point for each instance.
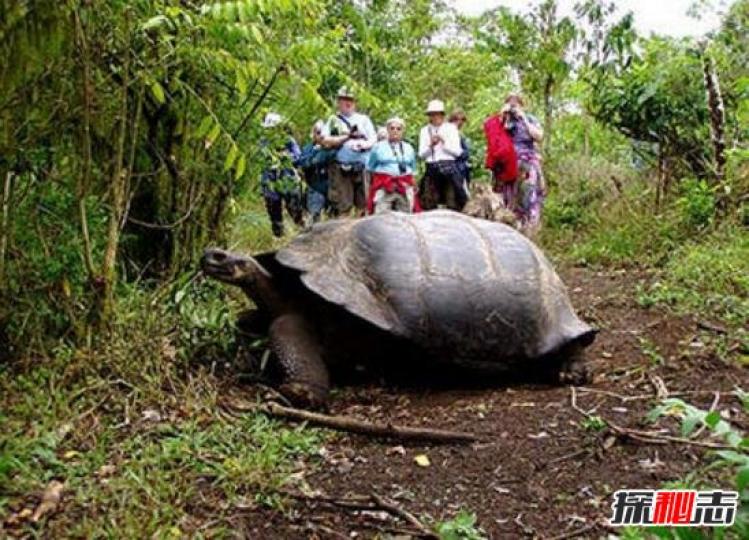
(223, 265)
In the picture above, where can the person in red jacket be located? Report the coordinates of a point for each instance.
(512, 156)
(501, 159)
(526, 133)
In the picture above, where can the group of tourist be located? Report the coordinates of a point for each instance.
(349, 165)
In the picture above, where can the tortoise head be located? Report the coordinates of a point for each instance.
(232, 268)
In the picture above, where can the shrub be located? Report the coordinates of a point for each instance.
(696, 203)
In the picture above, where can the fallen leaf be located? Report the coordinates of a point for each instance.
(105, 470)
(16, 519)
(150, 415)
(422, 460)
(168, 350)
(64, 429)
(50, 500)
(608, 442)
(70, 454)
(25, 513)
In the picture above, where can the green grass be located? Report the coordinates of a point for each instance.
(709, 275)
(462, 526)
(134, 429)
(701, 263)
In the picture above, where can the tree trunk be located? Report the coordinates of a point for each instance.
(548, 114)
(84, 180)
(717, 114)
(659, 179)
(5, 225)
(118, 197)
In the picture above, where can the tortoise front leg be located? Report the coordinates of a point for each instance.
(574, 368)
(304, 375)
(254, 323)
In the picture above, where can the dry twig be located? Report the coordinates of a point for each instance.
(649, 437)
(362, 427)
(575, 533)
(370, 503)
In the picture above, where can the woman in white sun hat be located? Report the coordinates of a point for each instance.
(439, 146)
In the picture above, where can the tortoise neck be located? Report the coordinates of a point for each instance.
(261, 288)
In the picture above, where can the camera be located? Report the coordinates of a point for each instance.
(402, 168)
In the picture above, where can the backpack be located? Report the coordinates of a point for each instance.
(501, 157)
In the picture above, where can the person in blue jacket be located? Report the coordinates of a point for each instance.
(313, 162)
(279, 181)
(392, 163)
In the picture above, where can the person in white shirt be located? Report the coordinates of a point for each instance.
(352, 134)
(439, 146)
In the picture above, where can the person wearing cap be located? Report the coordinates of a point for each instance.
(352, 135)
(313, 162)
(391, 164)
(279, 181)
(439, 146)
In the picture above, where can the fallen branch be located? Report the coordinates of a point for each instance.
(571, 455)
(661, 391)
(643, 397)
(713, 406)
(707, 325)
(657, 438)
(392, 508)
(370, 503)
(362, 427)
(575, 533)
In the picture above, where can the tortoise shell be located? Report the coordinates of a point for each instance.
(469, 290)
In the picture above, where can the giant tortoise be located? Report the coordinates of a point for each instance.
(437, 287)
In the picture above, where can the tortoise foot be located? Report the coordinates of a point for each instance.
(303, 396)
(575, 371)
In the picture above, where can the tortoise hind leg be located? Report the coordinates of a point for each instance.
(304, 375)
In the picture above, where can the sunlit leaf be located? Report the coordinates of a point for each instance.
(241, 165)
(231, 157)
(204, 127)
(158, 92)
(213, 134)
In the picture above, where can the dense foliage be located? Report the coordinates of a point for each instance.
(130, 129)
(129, 140)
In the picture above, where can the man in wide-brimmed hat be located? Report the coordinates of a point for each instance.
(352, 134)
(439, 146)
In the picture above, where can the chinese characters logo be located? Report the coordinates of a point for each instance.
(685, 508)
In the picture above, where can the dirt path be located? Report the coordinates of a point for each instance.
(541, 471)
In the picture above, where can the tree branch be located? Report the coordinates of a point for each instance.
(281, 68)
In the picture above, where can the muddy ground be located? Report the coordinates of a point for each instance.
(540, 469)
